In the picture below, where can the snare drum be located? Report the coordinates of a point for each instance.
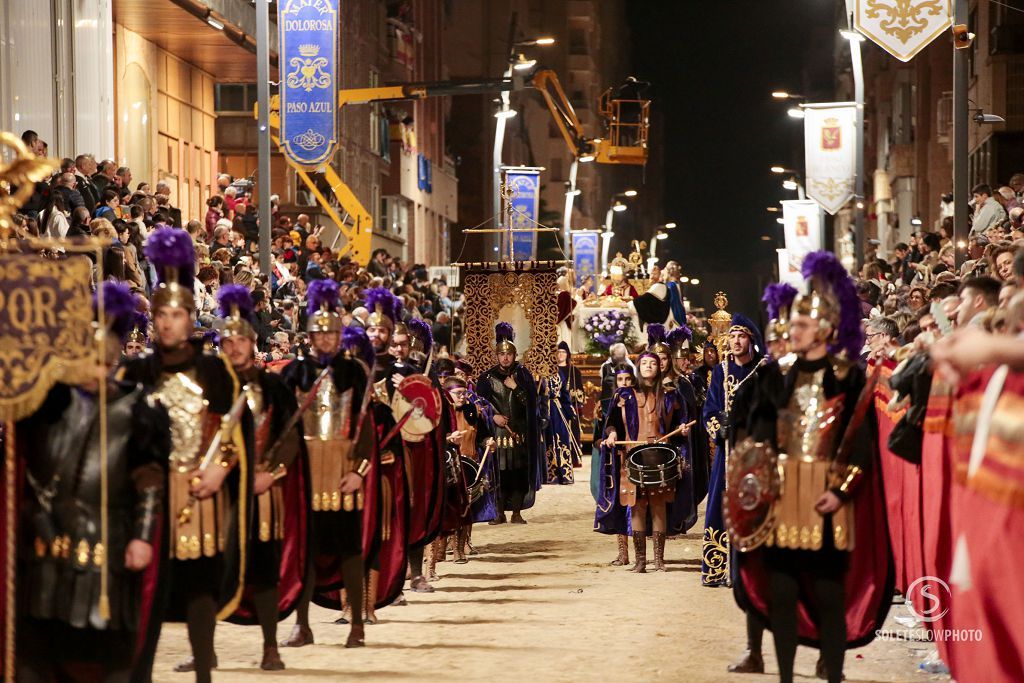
(653, 465)
(476, 484)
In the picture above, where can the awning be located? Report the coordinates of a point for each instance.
(190, 30)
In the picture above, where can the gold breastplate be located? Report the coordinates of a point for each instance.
(186, 407)
(807, 431)
(329, 417)
(808, 426)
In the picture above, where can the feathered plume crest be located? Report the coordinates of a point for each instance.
(504, 332)
(390, 305)
(140, 322)
(118, 308)
(172, 253)
(421, 330)
(677, 336)
(655, 334)
(824, 273)
(321, 294)
(355, 341)
(231, 297)
(778, 296)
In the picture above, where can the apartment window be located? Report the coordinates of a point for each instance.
(1006, 32)
(235, 97)
(375, 115)
(972, 52)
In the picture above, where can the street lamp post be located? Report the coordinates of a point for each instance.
(263, 130)
(855, 40)
(652, 259)
(606, 237)
(505, 112)
(960, 123)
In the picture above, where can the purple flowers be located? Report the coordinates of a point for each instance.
(606, 328)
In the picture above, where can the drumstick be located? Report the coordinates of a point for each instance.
(660, 439)
(676, 431)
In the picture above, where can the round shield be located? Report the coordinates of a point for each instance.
(752, 487)
(416, 393)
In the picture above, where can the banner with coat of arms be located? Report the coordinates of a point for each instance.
(830, 138)
(902, 27)
(802, 224)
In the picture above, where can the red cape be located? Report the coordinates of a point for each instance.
(869, 579)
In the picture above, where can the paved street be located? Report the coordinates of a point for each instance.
(539, 601)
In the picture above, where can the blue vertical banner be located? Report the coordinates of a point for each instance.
(308, 65)
(524, 188)
(584, 255)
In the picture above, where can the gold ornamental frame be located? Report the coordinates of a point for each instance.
(532, 286)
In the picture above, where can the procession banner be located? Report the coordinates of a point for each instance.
(523, 186)
(309, 79)
(584, 255)
(45, 327)
(802, 223)
(830, 138)
(902, 27)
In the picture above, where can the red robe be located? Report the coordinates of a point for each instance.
(988, 528)
(935, 544)
(893, 470)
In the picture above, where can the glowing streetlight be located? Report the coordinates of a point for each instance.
(795, 112)
(629, 193)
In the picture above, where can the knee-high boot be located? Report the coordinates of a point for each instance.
(640, 551)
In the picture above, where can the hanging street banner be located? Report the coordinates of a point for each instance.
(830, 137)
(902, 27)
(584, 256)
(787, 273)
(802, 223)
(523, 186)
(309, 79)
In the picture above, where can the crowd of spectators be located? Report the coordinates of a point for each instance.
(100, 199)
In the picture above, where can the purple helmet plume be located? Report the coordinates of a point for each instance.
(777, 297)
(118, 308)
(824, 271)
(321, 294)
(421, 330)
(230, 297)
(355, 341)
(172, 253)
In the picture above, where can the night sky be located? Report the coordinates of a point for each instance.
(713, 67)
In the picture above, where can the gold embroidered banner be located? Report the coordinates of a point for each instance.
(902, 27)
(45, 326)
(527, 300)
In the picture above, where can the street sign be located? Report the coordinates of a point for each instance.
(309, 79)
(902, 27)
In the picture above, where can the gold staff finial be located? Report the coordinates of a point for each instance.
(17, 180)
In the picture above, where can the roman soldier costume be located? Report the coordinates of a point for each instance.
(423, 441)
(519, 442)
(823, 579)
(339, 445)
(207, 538)
(279, 530)
(66, 545)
